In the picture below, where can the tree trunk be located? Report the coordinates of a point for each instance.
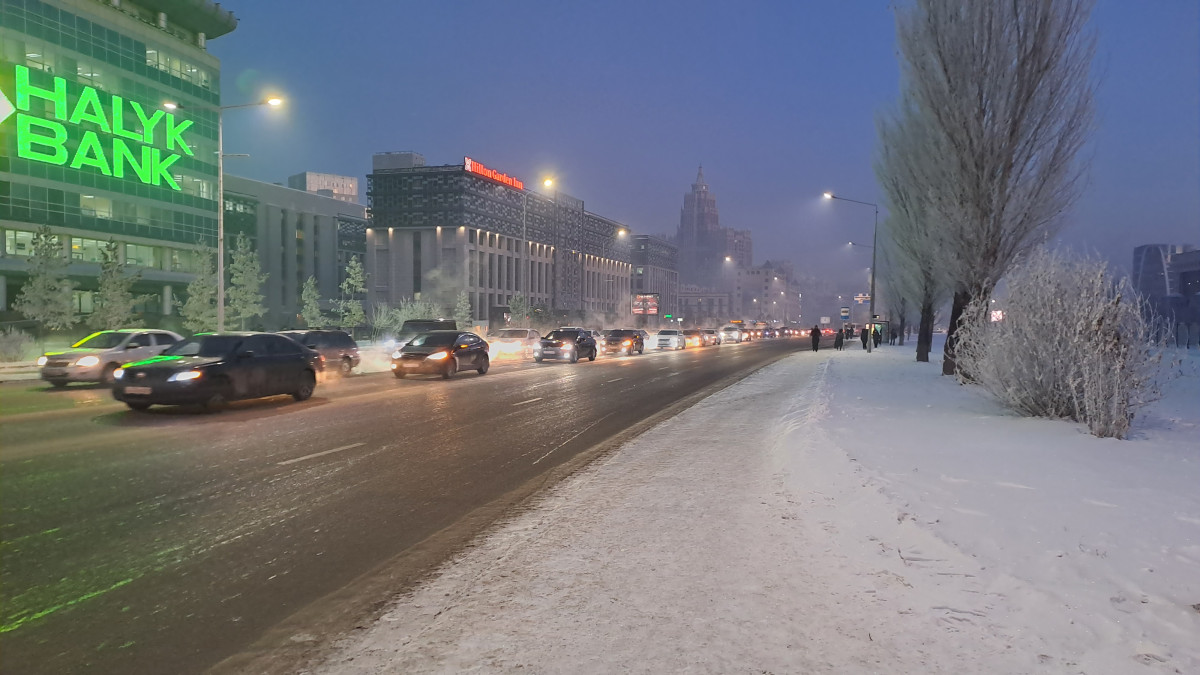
(903, 320)
(925, 332)
(961, 300)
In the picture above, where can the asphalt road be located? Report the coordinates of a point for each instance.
(179, 542)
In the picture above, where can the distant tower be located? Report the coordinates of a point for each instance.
(699, 231)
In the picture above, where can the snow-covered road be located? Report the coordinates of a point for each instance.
(837, 513)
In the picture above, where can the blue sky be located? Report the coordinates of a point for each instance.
(621, 101)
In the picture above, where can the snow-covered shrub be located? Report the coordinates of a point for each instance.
(13, 344)
(1075, 342)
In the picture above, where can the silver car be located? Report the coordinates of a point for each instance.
(94, 358)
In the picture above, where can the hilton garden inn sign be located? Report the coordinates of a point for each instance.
(91, 130)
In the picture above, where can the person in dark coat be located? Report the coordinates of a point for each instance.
(864, 336)
(839, 338)
(895, 335)
(876, 336)
(816, 337)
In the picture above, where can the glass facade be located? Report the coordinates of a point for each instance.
(147, 68)
(89, 149)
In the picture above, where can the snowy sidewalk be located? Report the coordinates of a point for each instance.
(794, 524)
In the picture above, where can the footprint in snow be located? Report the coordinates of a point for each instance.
(1015, 486)
(1094, 502)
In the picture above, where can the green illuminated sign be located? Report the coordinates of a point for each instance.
(100, 131)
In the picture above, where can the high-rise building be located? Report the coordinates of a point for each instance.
(87, 149)
(399, 159)
(656, 270)
(707, 251)
(437, 231)
(344, 188)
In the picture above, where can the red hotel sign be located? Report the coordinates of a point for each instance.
(476, 167)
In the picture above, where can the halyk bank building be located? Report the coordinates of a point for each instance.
(87, 148)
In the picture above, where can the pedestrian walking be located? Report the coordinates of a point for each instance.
(864, 336)
(815, 334)
(839, 338)
(876, 336)
(895, 335)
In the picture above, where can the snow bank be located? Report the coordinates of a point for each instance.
(819, 517)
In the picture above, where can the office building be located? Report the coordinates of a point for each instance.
(1168, 277)
(438, 230)
(344, 188)
(297, 234)
(706, 248)
(87, 149)
(656, 270)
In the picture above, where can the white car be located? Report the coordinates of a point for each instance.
(731, 333)
(669, 338)
(97, 356)
(514, 342)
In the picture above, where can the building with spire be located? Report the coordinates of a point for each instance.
(709, 254)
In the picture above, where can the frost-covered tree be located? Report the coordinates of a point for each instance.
(1005, 93)
(115, 299)
(310, 304)
(1075, 342)
(245, 297)
(350, 306)
(388, 320)
(199, 312)
(911, 243)
(46, 295)
(463, 315)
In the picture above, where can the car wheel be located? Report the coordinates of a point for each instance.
(346, 366)
(216, 402)
(399, 374)
(592, 356)
(451, 368)
(58, 384)
(106, 377)
(140, 407)
(537, 359)
(574, 356)
(308, 383)
(484, 365)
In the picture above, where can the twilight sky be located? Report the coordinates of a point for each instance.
(621, 100)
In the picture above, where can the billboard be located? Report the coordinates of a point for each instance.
(645, 303)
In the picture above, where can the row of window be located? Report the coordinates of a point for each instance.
(147, 303)
(19, 243)
(46, 24)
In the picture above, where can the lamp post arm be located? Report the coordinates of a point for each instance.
(844, 199)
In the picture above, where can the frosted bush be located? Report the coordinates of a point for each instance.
(1075, 343)
(13, 344)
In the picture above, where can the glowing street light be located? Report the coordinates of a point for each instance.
(874, 242)
(272, 101)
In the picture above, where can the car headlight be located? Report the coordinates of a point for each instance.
(41, 361)
(438, 356)
(184, 376)
(119, 373)
(88, 361)
(396, 354)
(568, 347)
(627, 343)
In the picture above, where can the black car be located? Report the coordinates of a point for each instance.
(339, 350)
(442, 352)
(623, 342)
(566, 343)
(213, 368)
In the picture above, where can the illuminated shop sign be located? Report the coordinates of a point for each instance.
(96, 131)
(475, 167)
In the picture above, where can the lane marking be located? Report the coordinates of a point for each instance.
(616, 380)
(320, 454)
(674, 373)
(577, 435)
(665, 368)
(529, 401)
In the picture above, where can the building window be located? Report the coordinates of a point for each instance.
(142, 256)
(18, 242)
(91, 205)
(87, 250)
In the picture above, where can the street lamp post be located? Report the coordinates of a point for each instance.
(272, 101)
(874, 242)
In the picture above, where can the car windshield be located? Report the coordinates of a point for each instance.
(621, 333)
(206, 345)
(434, 340)
(668, 332)
(101, 341)
(511, 333)
(562, 335)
